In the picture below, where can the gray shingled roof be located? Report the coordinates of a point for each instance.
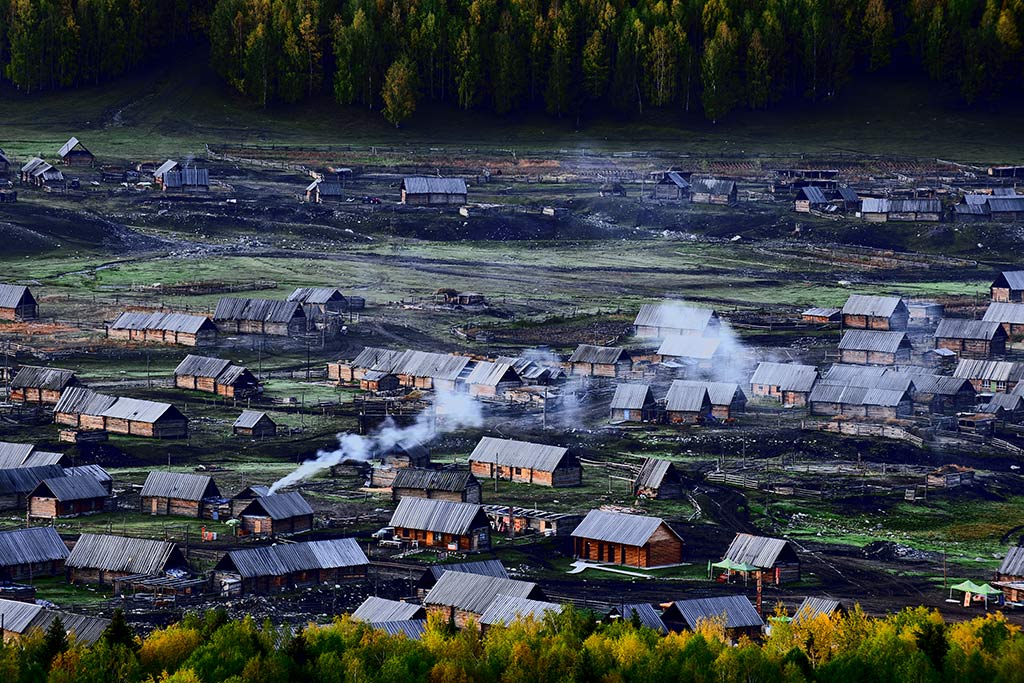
(82, 401)
(123, 554)
(1005, 313)
(412, 629)
(878, 306)
(35, 377)
(869, 377)
(375, 358)
(170, 322)
(811, 608)
(474, 592)
(179, 485)
(433, 185)
(248, 419)
(22, 480)
(1013, 563)
(674, 316)
(14, 455)
(278, 560)
(720, 393)
(878, 341)
(786, 376)
(686, 398)
(493, 568)
(506, 609)
(67, 489)
(260, 310)
(736, 609)
(962, 328)
(601, 355)
(1001, 401)
(712, 186)
(1014, 279)
(856, 396)
(279, 506)
(491, 374)
(316, 295)
(68, 146)
(1006, 204)
(617, 527)
(760, 551)
(525, 454)
(631, 396)
(432, 480)
(989, 370)
(812, 193)
(439, 516)
(11, 295)
(872, 205)
(689, 346)
(140, 410)
(376, 609)
(201, 366)
(32, 545)
(652, 473)
(187, 177)
(168, 165)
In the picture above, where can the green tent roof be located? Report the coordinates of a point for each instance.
(735, 566)
(969, 586)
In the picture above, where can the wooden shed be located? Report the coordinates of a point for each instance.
(177, 493)
(672, 185)
(62, 497)
(727, 398)
(633, 403)
(971, 338)
(633, 540)
(325, 190)
(185, 179)
(942, 395)
(458, 597)
(17, 303)
(85, 409)
(666, 319)
(874, 347)
(875, 313)
(600, 361)
(254, 424)
(17, 483)
(163, 328)
(1010, 316)
(712, 191)
(455, 485)
(19, 620)
(26, 554)
(430, 191)
(492, 380)
(658, 479)
(34, 384)
(379, 382)
(370, 359)
(862, 402)
(277, 514)
(215, 376)
(525, 462)
(822, 316)
(990, 375)
(883, 210)
(444, 524)
(741, 619)
(687, 404)
(320, 304)
(430, 576)
(775, 558)
(688, 350)
(810, 198)
(1008, 287)
(74, 153)
(101, 559)
(259, 316)
(287, 566)
(788, 383)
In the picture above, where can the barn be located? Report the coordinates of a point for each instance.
(990, 375)
(600, 361)
(672, 185)
(177, 493)
(1008, 287)
(29, 553)
(875, 313)
(259, 316)
(727, 398)
(215, 376)
(632, 540)
(431, 191)
(458, 597)
(286, 566)
(774, 557)
(661, 320)
(34, 384)
(822, 316)
(788, 383)
(741, 619)
(525, 462)
(164, 328)
(1010, 316)
(712, 191)
(453, 485)
(277, 514)
(74, 153)
(254, 424)
(492, 380)
(20, 620)
(883, 210)
(17, 303)
(62, 497)
(971, 338)
(633, 403)
(100, 558)
(85, 409)
(443, 524)
(874, 347)
(658, 479)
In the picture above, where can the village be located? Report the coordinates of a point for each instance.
(392, 430)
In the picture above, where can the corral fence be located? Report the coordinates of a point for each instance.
(864, 429)
(745, 482)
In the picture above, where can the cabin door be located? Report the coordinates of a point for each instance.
(625, 414)
(153, 506)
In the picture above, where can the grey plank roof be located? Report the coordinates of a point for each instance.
(1014, 279)
(82, 401)
(432, 480)
(941, 385)
(652, 473)
(412, 629)
(376, 609)
(506, 609)
(674, 316)
(872, 205)
(1005, 313)
(878, 306)
(122, 554)
(433, 365)
(847, 194)
(187, 177)
(15, 454)
(36, 544)
(249, 418)
(440, 516)
(492, 568)
(491, 374)
(279, 506)
(812, 607)
(68, 146)
(1005, 402)
(433, 185)
(168, 165)
(24, 618)
(11, 295)
(645, 613)
(689, 346)
(712, 186)
(140, 410)
(201, 366)
(989, 370)
(720, 393)
(820, 312)
(23, 479)
(474, 592)
(857, 396)
(786, 376)
(261, 310)
(179, 485)
(618, 527)
(813, 194)
(1006, 204)
(1013, 563)
(93, 471)
(972, 209)
(375, 358)
(962, 328)
(869, 377)
(36, 377)
(686, 397)
(674, 178)
(760, 551)
(879, 341)
(631, 396)
(601, 355)
(67, 489)
(32, 164)
(736, 609)
(525, 454)
(278, 560)
(170, 322)
(316, 295)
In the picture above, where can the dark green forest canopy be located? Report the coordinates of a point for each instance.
(565, 56)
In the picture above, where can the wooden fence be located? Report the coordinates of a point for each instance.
(864, 429)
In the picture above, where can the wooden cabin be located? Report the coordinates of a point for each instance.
(1010, 317)
(600, 361)
(903, 210)
(320, 304)
(727, 398)
(433, 371)
(672, 186)
(433, 191)
(454, 485)
(185, 179)
(404, 454)
(492, 380)
(1006, 407)
(62, 497)
(16, 484)
(875, 313)
(788, 383)
(810, 198)
(525, 462)
(633, 403)
(241, 500)
(163, 328)
(177, 493)
(20, 620)
(42, 175)
(741, 619)
(1006, 208)
(325, 190)
(443, 524)
(658, 479)
(971, 338)
(873, 347)
(379, 382)
(215, 376)
(822, 316)
(712, 191)
(775, 558)
(259, 316)
(942, 395)
(631, 540)
(74, 153)
(459, 597)
(34, 384)
(277, 514)
(862, 402)
(667, 319)
(687, 403)
(700, 352)
(990, 375)
(254, 424)
(1008, 287)
(101, 559)
(430, 576)
(370, 359)
(85, 409)
(17, 303)
(26, 554)
(287, 566)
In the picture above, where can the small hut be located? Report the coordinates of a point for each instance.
(254, 424)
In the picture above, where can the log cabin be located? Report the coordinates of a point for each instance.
(600, 361)
(712, 191)
(185, 179)
(370, 359)
(625, 539)
(822, 316)
(687, 404)
(775, 558)
(74, 153)
(215, 376)
(671, 185)
(29, 553)
(459, 598)
(277, 514)
(740, 617)
(863, 402)
(281, 567)
(704, 353)
(259, 316)
(492, 380)
(177, 493)
(242, 499)
(874, 347)
(990, 375)
(942, 395)
(34, 384)
(883, 210)
(62, 497)
(875, 313)
(17, 483)
(727, 398)
(462, 527)
(163, 328)
(101, 558)
(379, 382)
(433, 191)
(17, 303)
(20, 620)
(454, 485)
(810, 198)
(320, 303)
(1006, 208)
(666, 319)
(1006, 407)
(40, 174)
(658, 479)
(525, 462)
(325, 190)
(85, 409)
(254, 424)
(633, 403)
(971, 338)
(1008, 287)
(434, 371)
(788, 383)
(1010, 316)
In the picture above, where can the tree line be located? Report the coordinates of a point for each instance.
(570, 57)
(912, 645)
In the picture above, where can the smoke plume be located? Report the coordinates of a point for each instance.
(449, 412)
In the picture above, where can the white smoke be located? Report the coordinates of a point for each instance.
(448, 412)
(735, 359)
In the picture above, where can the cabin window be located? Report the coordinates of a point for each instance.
(519, 471)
